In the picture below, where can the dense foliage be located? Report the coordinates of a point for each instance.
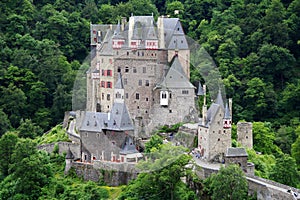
(26, 173)
(255, 45)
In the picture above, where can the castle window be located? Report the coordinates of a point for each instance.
(246, 137)
(170, 95)
(163, 95)
(218, 139)
(137, 96)
(220, 132)
(102, 84)
(103, 72)
(140, 83)
(102, 96)
(108, 97)
(147, 83)
(126, 69)
(146, 111)
(125, 81)
(119, 69)
(127, 53)
(138, 107)
(118, 95)
(144, 69)
(142, 53)
(224, 131)
(109, 72)
(126, 95)
(185, 92)
(134, 70)
(109, 84)
(147, 99)
(170, 111)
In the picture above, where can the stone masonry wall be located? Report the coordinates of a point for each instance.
(112, 174)
(63, 147)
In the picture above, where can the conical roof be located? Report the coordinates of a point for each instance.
(128, 146)
(119, 83)
(227, 112)
(200, 90)
(219, 99)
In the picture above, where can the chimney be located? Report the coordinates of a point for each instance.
(123, 23)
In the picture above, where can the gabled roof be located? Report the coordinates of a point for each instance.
(236, 152)
(128, 146)
(119, 118)
(151, 35)
(93, 121)
(175, 77)
(174, 35)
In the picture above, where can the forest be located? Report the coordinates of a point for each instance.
(43, 43)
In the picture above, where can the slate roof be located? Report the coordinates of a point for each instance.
(236, 152)
(227, 112)
(119, 83)
(219, 100)
(200, 90)
(174, 35)
(107, 44)
(175, 77)
(128, 146)
(117, 33)
(211, 113)
(93, 121)
(119, 118)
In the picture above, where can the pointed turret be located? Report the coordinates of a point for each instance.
(227, 117)
(200, 90)
(128, 146)
(119, 90)
(219, 99)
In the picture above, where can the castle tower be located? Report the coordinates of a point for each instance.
(244, 134)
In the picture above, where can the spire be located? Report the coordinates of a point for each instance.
(200, 90)
(119, 83)
(219, 99)
(227, 112)
(128, 146)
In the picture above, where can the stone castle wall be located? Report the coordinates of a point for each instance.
(63, 148)
(112, 174)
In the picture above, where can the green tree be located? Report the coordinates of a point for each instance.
(263, 138)
(154, 144)
(229, 183)
(8, 142)
(4, 123)
(28, 129)
(166, 167)
(285, 171)
(296, 147)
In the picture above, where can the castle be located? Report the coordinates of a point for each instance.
(154, 61)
